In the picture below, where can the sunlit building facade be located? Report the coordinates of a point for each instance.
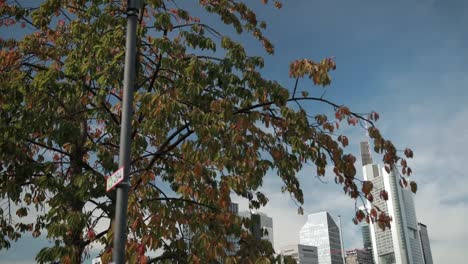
(302, 254)
(401, 243)
(367, 240)
(321, 231)
(358, 256)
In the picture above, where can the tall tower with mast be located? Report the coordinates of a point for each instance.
(400, 244)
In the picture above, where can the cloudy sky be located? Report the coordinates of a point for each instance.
(407, 60)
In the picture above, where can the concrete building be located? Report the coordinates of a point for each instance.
(401, 243)
(233, 208)
(262, 225)
(367, 240)
(302, 254)
(321, 231)
(358, 256)
(426, 246)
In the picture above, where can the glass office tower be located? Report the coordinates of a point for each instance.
(321, 231)
(400, 244)
(426, 246)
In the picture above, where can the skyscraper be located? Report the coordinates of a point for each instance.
(367, 240)
(261, 222)
(321, 231)
(400, 244)
(426, 247)
(234, 209)
(358, 256)
(302, 254)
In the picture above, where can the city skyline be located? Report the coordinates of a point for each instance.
(404, 59)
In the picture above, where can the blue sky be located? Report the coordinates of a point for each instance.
(407, 60)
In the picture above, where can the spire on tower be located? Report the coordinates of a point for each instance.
(366, 157)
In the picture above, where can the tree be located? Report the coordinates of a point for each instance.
(207, 126)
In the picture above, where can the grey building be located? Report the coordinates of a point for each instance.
(302, 254)
(321, 231)
(367, 240)
(399, 244)
(232, 239)
(262, 225)
(358, 256)
(426, 246)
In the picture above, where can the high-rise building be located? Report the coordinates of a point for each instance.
(367, 240)
(232, 239)
(366, 156)
(358, 256)
(302, 254)
(400, 244)
(321, 231)
(426, 246)
(262, 225)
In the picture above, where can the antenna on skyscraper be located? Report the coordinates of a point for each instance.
(366, 157)
(366, 126)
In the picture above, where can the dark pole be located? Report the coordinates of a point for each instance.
(120, 227)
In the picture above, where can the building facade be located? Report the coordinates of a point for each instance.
(302, 254)
(358, 256)
(367, 240)
(426, 246)
(233, 240)
(400, 244)
(262, 225)
(321, 231)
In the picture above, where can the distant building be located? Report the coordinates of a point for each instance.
(367, 240)
(400, 244)
(321, 231)
(262, 225)
(426, 247)
(232, 239)
(358, 256)
(302, 254)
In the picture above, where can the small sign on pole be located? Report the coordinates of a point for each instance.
(116, 178)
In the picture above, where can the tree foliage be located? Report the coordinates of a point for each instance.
(207, 125)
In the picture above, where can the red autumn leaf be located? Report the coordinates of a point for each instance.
(344, 140)
(409, 171)
(352, 120)
(403, 162)
(384, 195)
(367, 187)
(374, 116)
(408, 153)
(91, 234)
(141, 249)
(387, 168)
(198, 169)
(403, 183)
(414, 187)
(338, 115)
(373, 213)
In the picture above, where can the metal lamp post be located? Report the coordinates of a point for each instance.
(120, 225)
